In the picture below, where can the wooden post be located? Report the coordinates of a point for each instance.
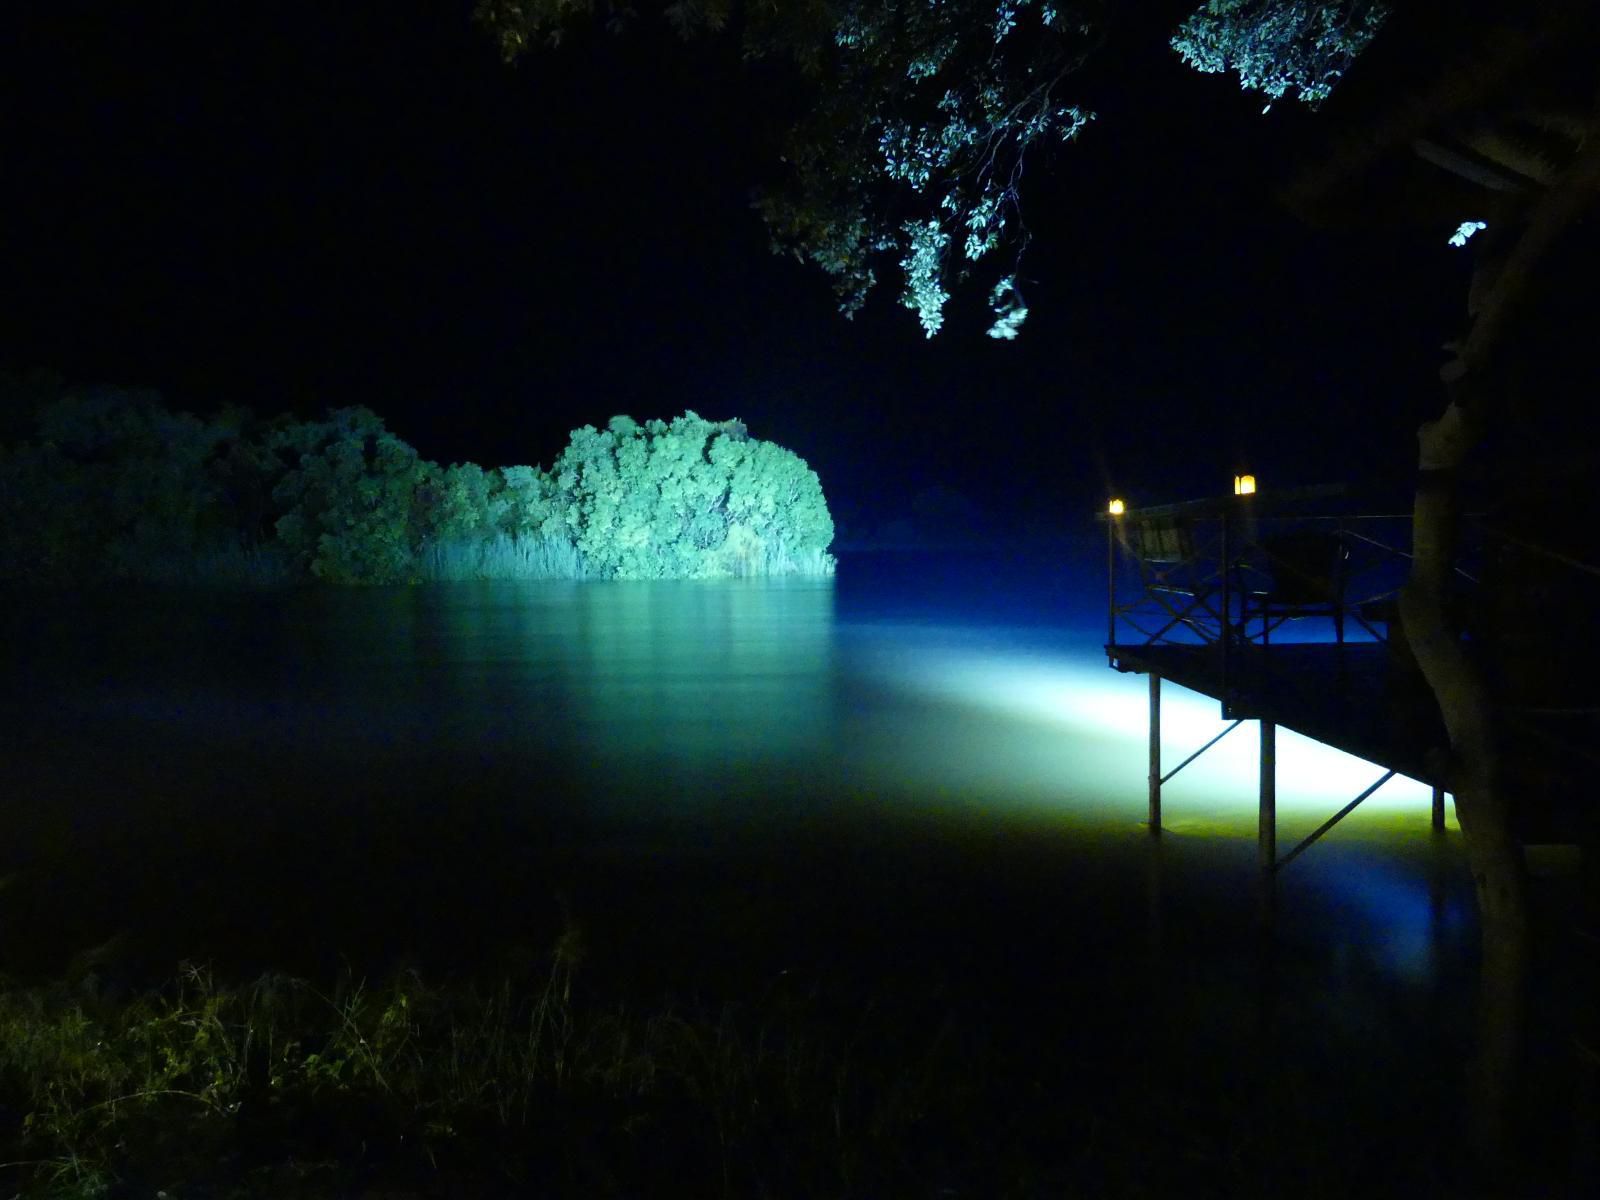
(1227, 608)
(1111, 580)
(1438, 809)
(1267, 832)
(1155, 753)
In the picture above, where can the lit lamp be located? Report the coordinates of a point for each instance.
(1116, 508)
(1244, 485)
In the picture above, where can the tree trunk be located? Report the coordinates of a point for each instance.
(1482, 803)
(1502, 290)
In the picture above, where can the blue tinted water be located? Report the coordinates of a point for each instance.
(917, 781)
(348, 748)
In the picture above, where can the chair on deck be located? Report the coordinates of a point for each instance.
(1306, 570)
(1178, 579)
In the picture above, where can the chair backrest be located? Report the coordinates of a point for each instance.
(1164, 542)
(1167, 558)
(1307, 566)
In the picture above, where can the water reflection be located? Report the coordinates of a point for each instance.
(709, 686)
(379, 728)
(1082, 731)
(730, 783)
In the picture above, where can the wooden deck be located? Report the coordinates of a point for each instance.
(1209, 568)
(1346, 696)
(1352, 697)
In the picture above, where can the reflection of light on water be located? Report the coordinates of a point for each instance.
(987, 725)
(1066, 697)
(1397, 912)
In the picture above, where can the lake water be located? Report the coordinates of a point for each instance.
(365, 740)
(919, 775)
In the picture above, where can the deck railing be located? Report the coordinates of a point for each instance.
(1201, 571)
(1183, 602)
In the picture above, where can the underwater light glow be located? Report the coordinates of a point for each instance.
(1397, 907)
(1058, 725)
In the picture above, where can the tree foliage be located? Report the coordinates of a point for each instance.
(924, 121)
(350, 501)
(925, 116)
(690, 498)
(1276, 45)
(113, 485)
(112, 482)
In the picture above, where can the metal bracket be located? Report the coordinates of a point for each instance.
(1202, 750)
(1331, 822)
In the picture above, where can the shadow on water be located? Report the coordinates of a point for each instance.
(907, 799)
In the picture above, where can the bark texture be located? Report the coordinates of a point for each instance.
(1484, 797)
(1482, 801)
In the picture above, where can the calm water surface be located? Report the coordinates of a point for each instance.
(286, 765)
(914, 785)
(917, 762)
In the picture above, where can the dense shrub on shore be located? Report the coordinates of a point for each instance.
(108, 483)
(691, 498)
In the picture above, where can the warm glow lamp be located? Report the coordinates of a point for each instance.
(1116, 508)
(1244, 485)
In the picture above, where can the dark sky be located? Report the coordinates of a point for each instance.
(296, 206)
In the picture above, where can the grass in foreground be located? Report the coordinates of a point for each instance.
(279, 1088)
(530, 1087)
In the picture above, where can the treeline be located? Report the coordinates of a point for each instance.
(108, 483)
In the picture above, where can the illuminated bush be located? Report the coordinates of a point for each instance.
(348, 503)
(462, 500)
(525, 502)
(690, 499)
(113, 485)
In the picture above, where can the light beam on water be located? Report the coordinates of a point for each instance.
(1055, 726)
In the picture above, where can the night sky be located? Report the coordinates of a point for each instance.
(298, 206)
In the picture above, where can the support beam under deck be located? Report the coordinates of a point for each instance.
(1155, 753)
(1267, 828)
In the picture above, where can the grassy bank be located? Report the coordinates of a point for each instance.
(521, 1086)
(529, 1084)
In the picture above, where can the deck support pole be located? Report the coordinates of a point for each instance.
(1438, 809)
(1267, 831)
(1155, 753)
(1111, 583)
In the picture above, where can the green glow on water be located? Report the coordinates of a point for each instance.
(669, 723)
(1059, 730)
(755, 706)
